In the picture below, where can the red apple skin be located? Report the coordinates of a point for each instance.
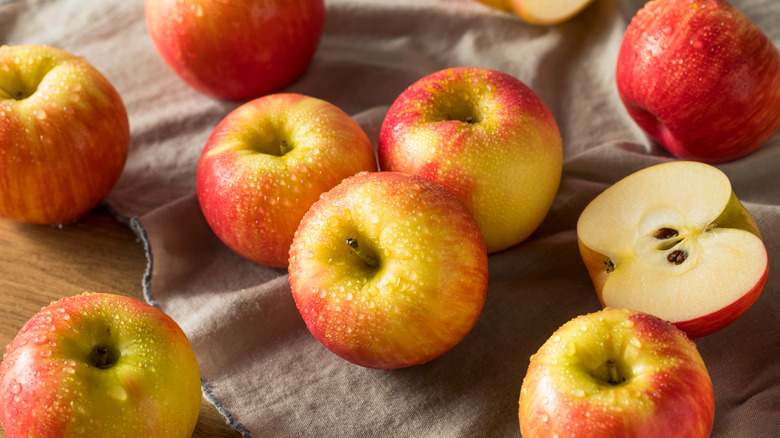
(700, 78)
(236, 50)
(48, 390)
(393, 328)
(254, 201)
(675, 400)
(63, 148)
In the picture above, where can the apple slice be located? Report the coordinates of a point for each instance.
(673, 240)
(548, 12)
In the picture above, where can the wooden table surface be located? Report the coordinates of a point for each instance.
(40, 264)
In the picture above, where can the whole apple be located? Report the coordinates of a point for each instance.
(700, 78)
(99, 365)
(673, 240)
(64, 135)
(617, 373)
(236, 49)
(267, 162)
(486, 137)
(388, 270)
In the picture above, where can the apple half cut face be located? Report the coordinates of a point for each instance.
(548, 12)
(673, 240)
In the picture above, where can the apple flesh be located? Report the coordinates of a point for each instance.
(388, 270)
(700, 78)
(486, 137)
(548, 12)
(236, 50)
(673, 240)
(64, 135)
(267, 162)
(617, 373)
(99, 365)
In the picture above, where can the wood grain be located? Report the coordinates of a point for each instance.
(40, 264)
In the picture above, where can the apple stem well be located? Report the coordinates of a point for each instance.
(353, 243)
(103, 357)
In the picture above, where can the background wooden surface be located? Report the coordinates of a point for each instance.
(40, 264)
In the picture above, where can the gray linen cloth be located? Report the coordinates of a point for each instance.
(259, 364)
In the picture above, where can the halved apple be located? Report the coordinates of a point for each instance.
(673, 240)
(548, 12)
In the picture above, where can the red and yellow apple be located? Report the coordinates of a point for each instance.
(700, 78)
(487, 138)
(388, 270)
(236, 49)
(267, 162)
(673, 240)
(617, 373)
(64, 135)
(99, 365)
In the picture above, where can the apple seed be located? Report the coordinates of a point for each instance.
(665, 233)
(677, 256)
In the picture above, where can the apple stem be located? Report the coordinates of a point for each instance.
(284, 147)
(613, 374)
(353, 243)
(102, 358)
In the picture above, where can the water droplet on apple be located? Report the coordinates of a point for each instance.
(569, 349)
(46, 353)
(697, 44)
(668, 30)
(39, 114)
(628, 323)
(117, 392)
(579, 393)
(16, 388)
(544, 417)
(635, 342)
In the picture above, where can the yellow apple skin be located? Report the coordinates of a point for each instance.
(734, 215)
(487, 138)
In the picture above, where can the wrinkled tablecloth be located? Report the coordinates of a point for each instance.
(259, 364)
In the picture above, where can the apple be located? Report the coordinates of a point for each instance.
(267, 162)
(701, 78)
(236, 50)
(99, 365)
(541, 12)
(64, 135)
(504, 5)
(486, 137)
(617, 373)
(673, 240)
(388, 270)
